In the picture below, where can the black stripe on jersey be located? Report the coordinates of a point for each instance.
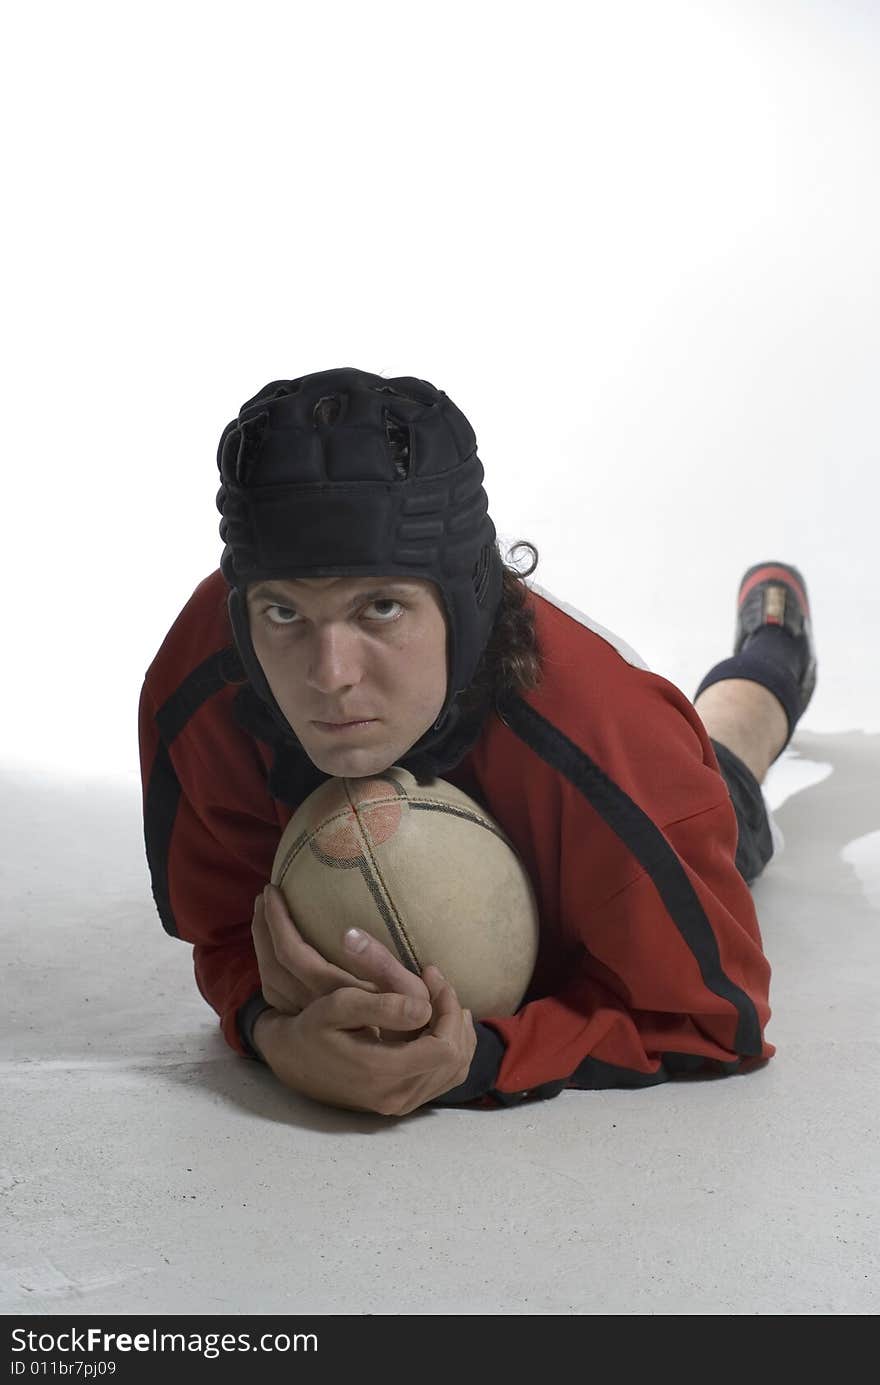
(160, 810)
(206, 679)
(594, 1075)
(648, 845)
(163, 790)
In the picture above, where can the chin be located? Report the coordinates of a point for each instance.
(352, 762)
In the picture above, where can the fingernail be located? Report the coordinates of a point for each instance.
(414, 1009)
(355, 940)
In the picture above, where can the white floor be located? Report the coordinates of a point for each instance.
(146, 1169)
(664, 330)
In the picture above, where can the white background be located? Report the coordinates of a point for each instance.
(636, 244)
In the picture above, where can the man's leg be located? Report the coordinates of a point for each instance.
(748, 719)
(750, 704)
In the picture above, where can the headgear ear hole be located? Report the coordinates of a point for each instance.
(481, 573)
(327, 410)
(399, 442)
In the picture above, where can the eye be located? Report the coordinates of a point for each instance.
(384, 618)
(386, 601)
(285, 609)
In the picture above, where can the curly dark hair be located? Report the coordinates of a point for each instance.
(511, 661)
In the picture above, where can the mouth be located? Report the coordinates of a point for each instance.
(337, 726)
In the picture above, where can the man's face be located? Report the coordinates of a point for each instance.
(352, 649)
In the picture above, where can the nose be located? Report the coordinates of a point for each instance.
(334, 659)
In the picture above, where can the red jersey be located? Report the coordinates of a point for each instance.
(604, 779)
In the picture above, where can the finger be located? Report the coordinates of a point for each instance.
(280, 987)
(389, 1036)
(441, 992)
(374, 962)
(451, 1024)
(438, 1057)
(434, 978)
(448, 1020)
(350, 1008)
(298, 956)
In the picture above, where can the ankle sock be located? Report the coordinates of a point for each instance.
(776, 660)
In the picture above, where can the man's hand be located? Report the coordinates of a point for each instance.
(332, 1051)
(293, 974)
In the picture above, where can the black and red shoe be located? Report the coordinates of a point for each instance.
(774, 593)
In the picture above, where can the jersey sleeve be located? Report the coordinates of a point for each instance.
(210, 837)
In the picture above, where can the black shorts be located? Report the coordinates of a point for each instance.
(755, 844)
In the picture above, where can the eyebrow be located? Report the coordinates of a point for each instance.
(264, 589)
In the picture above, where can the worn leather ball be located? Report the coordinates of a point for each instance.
(421, 867)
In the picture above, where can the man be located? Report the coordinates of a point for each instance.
(363, 617)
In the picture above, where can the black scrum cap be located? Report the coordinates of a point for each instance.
(344, 473)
